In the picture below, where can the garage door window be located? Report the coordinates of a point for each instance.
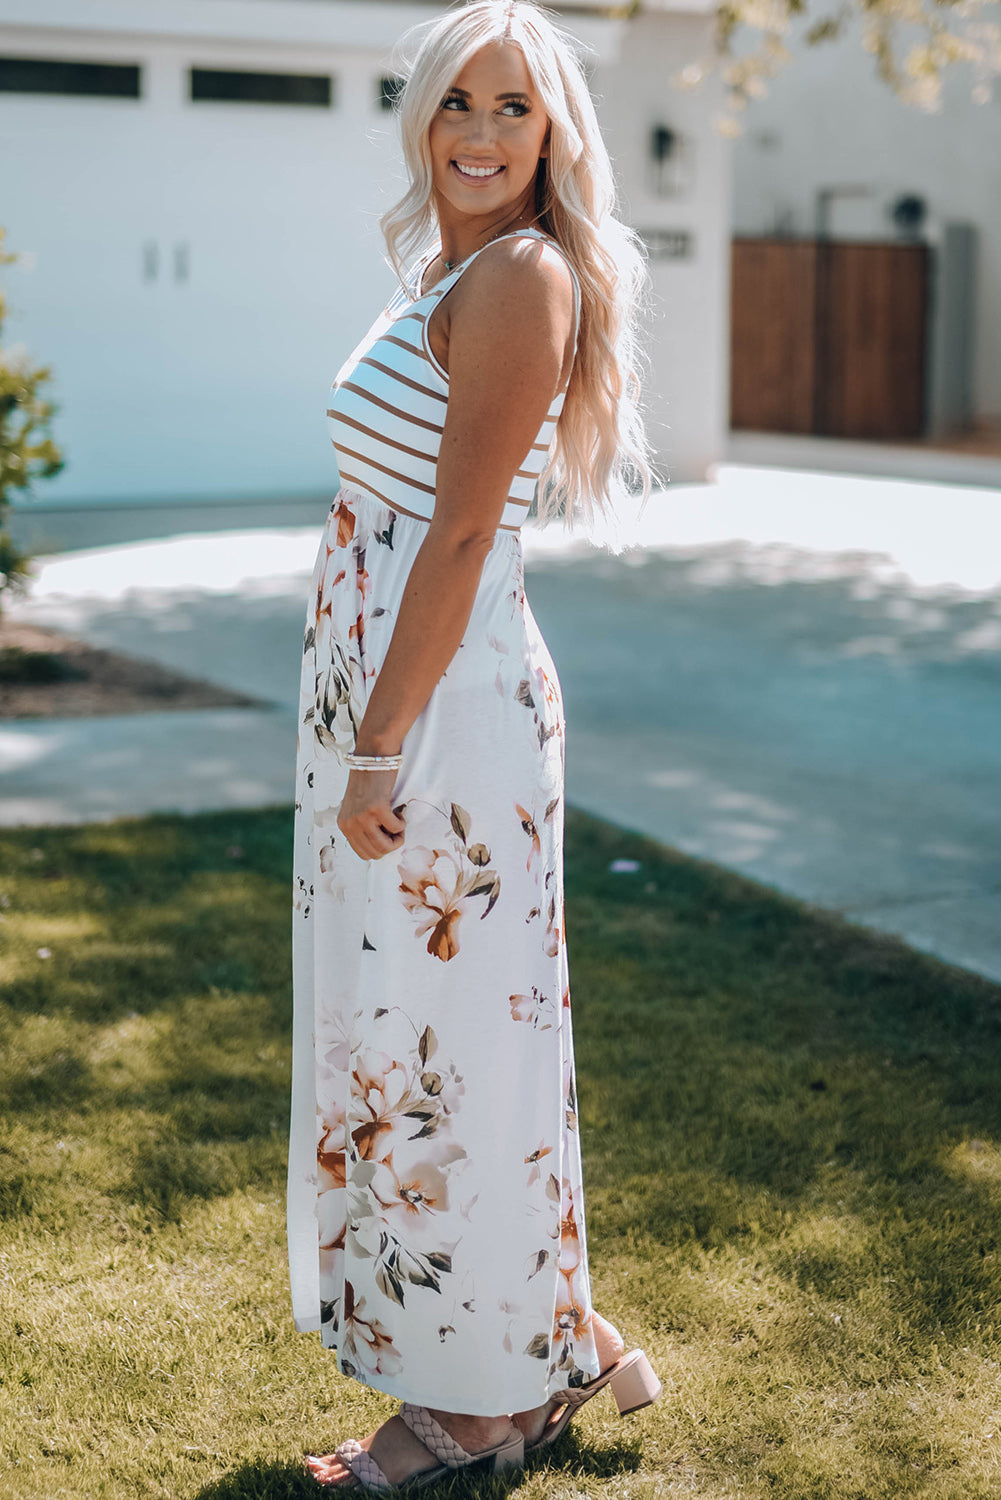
(229, 86)
(47, 75)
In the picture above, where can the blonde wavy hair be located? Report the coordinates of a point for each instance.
(600, 452)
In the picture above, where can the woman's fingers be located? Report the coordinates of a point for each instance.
(379, 841)
(374, 832)
(391, 823)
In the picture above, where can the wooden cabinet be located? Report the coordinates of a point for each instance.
(829, 337)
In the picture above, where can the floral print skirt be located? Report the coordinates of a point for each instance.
(435, 1211)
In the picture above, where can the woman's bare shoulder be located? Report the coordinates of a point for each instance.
(525, 276)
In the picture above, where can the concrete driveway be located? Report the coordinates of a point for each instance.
(793, 674)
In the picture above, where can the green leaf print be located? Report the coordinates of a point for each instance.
(460, 821)
(539, 1261)
(427, 1045)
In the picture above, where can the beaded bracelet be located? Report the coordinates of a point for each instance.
(373, 762)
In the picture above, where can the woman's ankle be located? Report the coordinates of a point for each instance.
(608, 1341)
(472, 1432)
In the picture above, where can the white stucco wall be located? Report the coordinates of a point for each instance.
(828, 119)
(214, 384)
(689, 328)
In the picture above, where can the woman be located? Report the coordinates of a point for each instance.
(434, 1133)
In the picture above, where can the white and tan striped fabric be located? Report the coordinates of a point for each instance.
(387, 404)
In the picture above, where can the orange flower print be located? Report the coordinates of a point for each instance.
(429, 893)
(437, 883)
(402, 1201)
(570, 1249)
(554, 936)
(411, 1188)
(528, 824)
(532, 1008)
(572, 1316)
(381, 1093)
(324, 601)
(533, 1159)
(330, 1180)
(367, 1345)
(345, 518)
(330, 1151)
(571, 1319)
(363, 588)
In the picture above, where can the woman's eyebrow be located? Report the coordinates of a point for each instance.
(464, 93)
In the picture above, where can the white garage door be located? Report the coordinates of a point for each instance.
(200, 269)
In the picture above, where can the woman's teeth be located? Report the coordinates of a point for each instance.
(478, 171)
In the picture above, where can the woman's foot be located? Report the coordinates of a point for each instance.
(401, 1455)
(610, 1347)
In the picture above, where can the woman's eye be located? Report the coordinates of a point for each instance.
(516, 105)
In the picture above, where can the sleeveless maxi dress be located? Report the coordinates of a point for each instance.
(435, 1212)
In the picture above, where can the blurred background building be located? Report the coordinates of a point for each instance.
(195, 186)
(198, 184)
(866, 256)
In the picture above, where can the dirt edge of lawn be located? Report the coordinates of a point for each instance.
(100, 682)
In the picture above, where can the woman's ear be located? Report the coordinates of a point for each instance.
(544, 148)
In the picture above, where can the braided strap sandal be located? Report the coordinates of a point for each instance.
(362, 1465)
(634, 1385)
(507, 1454)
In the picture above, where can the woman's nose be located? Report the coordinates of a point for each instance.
(480, 128)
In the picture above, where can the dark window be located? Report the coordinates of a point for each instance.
(390, 90)
(227, 86)
(41, 75)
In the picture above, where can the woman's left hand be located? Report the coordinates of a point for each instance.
(366, 817)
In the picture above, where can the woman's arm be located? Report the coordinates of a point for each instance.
(508, 335)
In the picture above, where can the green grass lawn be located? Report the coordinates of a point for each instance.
(792, 1171)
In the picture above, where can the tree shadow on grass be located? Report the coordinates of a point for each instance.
(766, 1065)
(260, 1479)
(158, 1026)
(570, 1456)
(168, 901)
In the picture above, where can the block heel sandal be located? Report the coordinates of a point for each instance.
(633, 1383)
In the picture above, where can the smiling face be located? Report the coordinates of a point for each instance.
(487, 137)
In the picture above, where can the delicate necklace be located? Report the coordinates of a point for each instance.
(451, 264)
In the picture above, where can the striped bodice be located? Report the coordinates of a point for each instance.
(388, 402)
